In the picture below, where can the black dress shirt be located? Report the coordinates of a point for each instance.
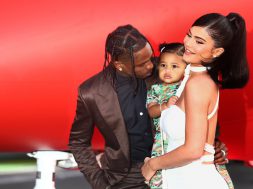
(137, 120)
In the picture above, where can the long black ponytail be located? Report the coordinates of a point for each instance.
(230, 70)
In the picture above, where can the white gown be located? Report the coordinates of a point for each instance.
(194, 175)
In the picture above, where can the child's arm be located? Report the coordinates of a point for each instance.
(154, 109)
(153, 106)
(172, 101)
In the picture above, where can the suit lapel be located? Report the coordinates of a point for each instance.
(108, 105)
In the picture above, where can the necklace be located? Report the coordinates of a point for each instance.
(198, 69)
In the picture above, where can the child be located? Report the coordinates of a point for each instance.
(170, 71)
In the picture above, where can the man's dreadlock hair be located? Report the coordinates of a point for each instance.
(121, 44)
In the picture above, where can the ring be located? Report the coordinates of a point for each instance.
(223, 152)
(227, 161)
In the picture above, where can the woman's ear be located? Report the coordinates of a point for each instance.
(217, 52)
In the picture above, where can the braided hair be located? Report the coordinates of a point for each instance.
(121, 44)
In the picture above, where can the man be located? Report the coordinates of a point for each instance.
(114, 101)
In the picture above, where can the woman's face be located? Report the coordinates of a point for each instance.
(199, 46)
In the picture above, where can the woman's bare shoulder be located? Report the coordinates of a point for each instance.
(201, 85)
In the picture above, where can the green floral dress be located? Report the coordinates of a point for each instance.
(158, 94)
(224, 173)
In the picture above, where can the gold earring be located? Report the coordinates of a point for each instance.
(120, 69)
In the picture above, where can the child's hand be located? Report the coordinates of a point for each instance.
(172, 101)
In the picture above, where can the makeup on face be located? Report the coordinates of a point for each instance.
(198, 46)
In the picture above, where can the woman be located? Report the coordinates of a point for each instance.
(215, 48)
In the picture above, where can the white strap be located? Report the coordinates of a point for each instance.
(182, 85)
(209, 148)
(162, 136)
(207, 158)
(215, 108)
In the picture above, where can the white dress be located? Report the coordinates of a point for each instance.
(194, 175)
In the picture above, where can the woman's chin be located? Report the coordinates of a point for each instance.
(191, 61)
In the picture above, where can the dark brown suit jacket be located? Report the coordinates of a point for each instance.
(98, 105)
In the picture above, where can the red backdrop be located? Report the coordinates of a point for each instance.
(47, 48)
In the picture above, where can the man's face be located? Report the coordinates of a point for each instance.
(143, 64)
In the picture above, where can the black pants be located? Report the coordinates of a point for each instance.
(134, 179)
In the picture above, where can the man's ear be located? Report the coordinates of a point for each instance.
(118, 65)
(217, 52)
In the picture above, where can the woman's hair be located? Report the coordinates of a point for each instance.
(230, 70)
(173, 48)
(121, 44)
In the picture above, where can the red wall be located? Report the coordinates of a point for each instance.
(47, 48)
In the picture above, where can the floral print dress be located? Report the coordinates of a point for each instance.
(159, 93)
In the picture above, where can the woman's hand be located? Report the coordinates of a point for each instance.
(221, 153)
(146, 170)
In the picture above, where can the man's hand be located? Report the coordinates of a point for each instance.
(221, 153)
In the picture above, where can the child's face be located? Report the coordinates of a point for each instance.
(171, 68)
